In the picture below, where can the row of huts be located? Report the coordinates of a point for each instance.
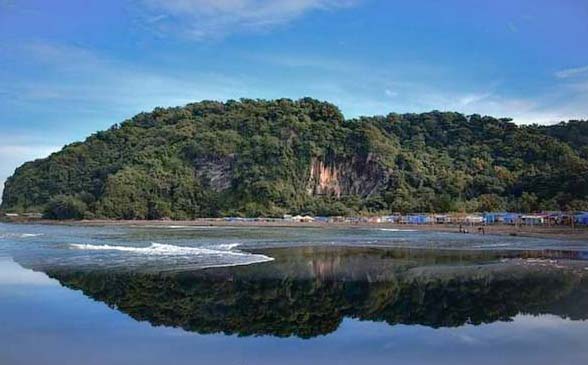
(546, 218)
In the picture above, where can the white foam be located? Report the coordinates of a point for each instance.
(159, 249)
(187, 227)
(154, 249)
(25, 235)
(9, 235)
(227, 246)
(397, 230)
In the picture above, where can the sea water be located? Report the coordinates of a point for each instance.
(73, 294)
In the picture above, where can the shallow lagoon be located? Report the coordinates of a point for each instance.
(111, 295)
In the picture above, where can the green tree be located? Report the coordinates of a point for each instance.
(65, 207)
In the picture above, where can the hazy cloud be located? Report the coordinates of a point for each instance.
(390, 93)
(90, 79)
(572, 72)
(205, 19)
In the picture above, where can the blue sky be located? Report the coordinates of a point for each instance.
(69, 68)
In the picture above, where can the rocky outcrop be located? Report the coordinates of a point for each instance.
(353, 176)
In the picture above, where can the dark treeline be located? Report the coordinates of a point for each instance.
(268, 158)
(309, 307)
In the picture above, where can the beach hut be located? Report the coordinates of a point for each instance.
(474, 219)
(553, 217)
(307, 218)
(494, 217)
(353, 220)
(374, 219)
(532, 219)
(511, 218)
(321, 219)
(418, 219)
(388, 219)
(442, 218)
(337, 219)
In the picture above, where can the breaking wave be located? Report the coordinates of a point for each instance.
(221, 255)
(159, 249)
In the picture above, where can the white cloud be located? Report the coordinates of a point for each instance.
(421, 97)
(558, 105)
(303, 61)
(390, 93)
(474, 98)
(572, 72)
(205, 19)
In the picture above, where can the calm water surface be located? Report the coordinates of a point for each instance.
(211, 295)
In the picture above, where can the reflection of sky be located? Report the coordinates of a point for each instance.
(12, 274)
(48, 324)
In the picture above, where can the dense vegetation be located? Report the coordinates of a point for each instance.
(268, 158)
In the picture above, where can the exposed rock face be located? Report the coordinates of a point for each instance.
(354, 176)
(339, 178)
(323, 179)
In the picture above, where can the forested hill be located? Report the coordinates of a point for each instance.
(267, 158)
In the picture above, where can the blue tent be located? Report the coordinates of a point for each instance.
(582, 218)
(417, 219)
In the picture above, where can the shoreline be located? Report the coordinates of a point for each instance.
(560, 232)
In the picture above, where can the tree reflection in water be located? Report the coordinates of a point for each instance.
(307, 292)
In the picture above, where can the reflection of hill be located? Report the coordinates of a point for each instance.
(307, 292)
